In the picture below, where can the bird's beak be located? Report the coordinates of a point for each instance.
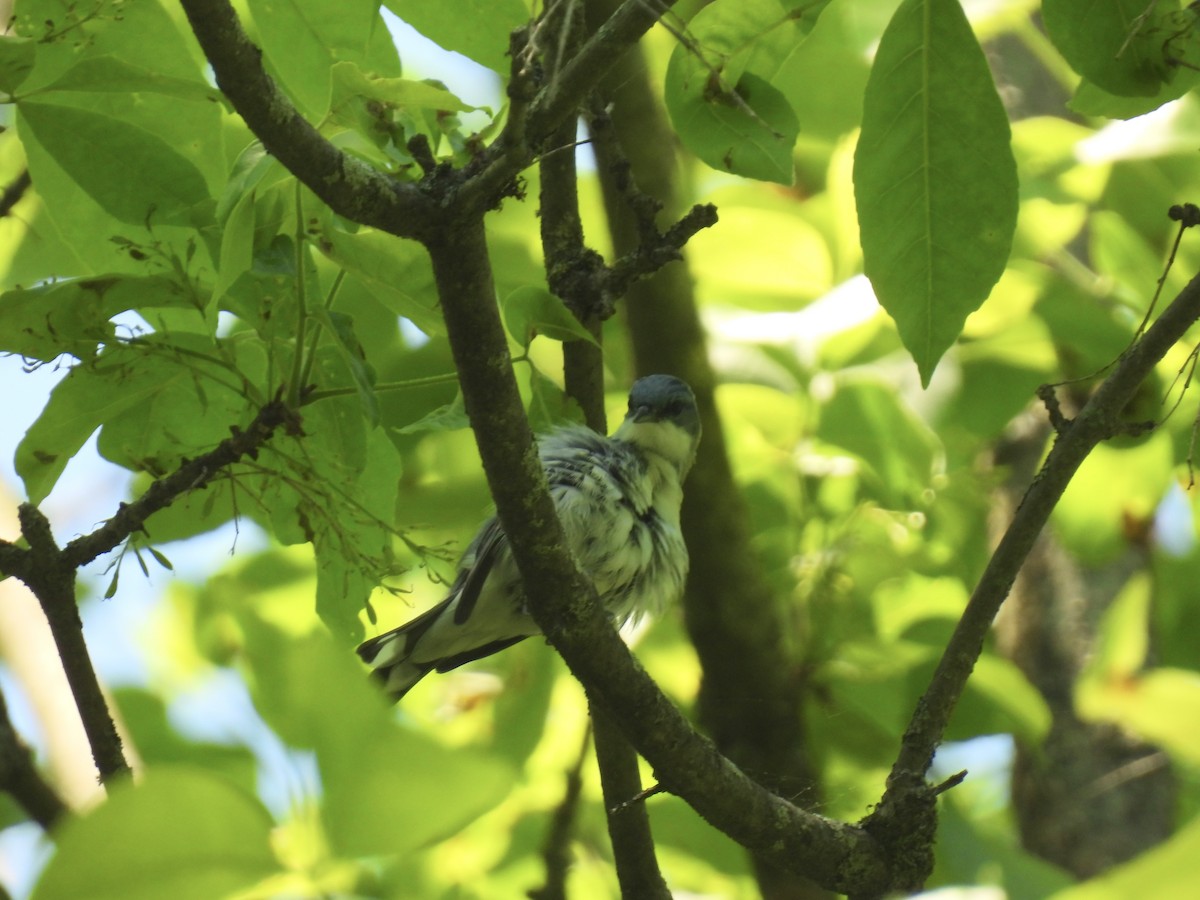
(639, 414)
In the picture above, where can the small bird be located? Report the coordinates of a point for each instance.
(618, 499)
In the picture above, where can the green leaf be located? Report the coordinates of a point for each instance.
(748, 129)
(237, 245)
(78, 405)
(1166, 871)
(303, 39)
(347, 509)
(1116, 44)
(350, 83)
(73, 316)
(451, 417)
(532, 310)
(17, 56)
(385, 790)
(185, 406)
(134, 175)
(855, 418)
(180, 833)
(934, 176)
(478, 29)
(722, 90)
(341, 326)
(396, 272)
(400, 791)
(1092, 100)
(112, 74)
(1161, 706)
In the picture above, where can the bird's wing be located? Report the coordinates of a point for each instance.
(484, 551)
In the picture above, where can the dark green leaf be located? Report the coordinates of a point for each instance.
(109, 73)
(16, 61)
(1117, 44)
(341, 326)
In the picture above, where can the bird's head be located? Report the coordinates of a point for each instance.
(663, 419)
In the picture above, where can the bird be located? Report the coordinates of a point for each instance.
(618, 499)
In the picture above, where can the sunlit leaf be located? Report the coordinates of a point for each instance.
(303, 40)
(385, 790)
(478, 29)
(1165, 871)
(110, 73)
(136, 176)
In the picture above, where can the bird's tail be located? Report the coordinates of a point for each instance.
(389, 654)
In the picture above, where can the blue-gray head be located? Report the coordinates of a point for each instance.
(663, 419)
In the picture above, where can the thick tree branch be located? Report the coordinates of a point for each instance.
(1099, 419)
(842, 856)
(571, 269)
(752, 695)
(20, 778)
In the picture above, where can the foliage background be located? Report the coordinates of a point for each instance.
(871, 482)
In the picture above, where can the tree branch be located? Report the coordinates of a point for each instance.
(45, 569)
(563, 601)
(572, 270)
(350, 187)
(1099, 419)
(565, 606)
(20, 778)
(610, 42)
(753, 691)
(191, 475)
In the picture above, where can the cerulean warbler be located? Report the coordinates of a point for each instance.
(618, 498)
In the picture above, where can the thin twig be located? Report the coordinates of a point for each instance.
(556, 850)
